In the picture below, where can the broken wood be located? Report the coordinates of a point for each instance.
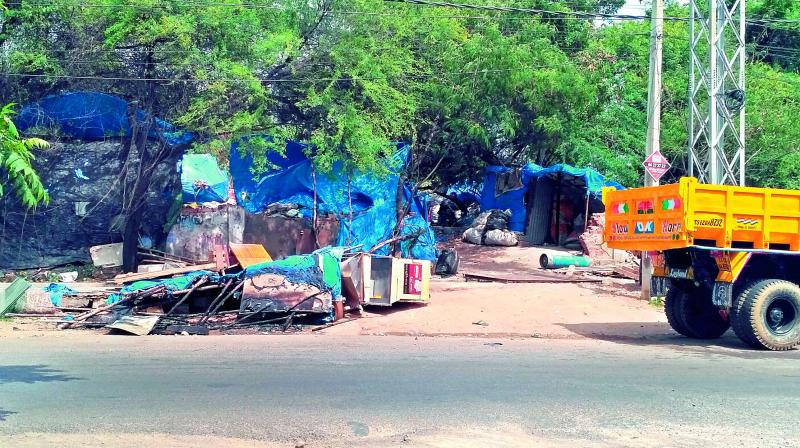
(525, 278)
(221, 299)
(167, 257)
(628, 272)
(127, 278)
(134, 296)
(396, 240)
(197, 284)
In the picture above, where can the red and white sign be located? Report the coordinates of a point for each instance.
(656, 165)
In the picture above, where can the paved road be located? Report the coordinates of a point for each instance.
(393, 391)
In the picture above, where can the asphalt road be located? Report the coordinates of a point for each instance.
(393, 391)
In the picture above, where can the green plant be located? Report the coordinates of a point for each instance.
(16, 158)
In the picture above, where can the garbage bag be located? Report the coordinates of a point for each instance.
(500, 238)
(474, 235)
(497, 220)
(447, 264)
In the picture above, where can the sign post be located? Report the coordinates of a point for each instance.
(656, 165)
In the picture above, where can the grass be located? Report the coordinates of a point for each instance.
(657, 302)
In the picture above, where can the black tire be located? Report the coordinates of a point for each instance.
(766, 315)
(694, 312)
(675, 295)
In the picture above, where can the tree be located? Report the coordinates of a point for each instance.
(16, 162)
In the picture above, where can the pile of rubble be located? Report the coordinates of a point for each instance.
(240, 289)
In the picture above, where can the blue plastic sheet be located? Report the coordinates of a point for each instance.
(291, 180)
(57, 292)
(202, 179)
(170, 284)
(592, 180)
(514, 200)
(466, 192)
(92, 116)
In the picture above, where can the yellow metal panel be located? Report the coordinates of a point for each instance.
(717, 215)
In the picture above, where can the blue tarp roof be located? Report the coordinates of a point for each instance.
(202, 180)
(91, 116)
(593, 180)
(292, 181)
(514, 200)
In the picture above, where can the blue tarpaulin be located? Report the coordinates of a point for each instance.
(592, 180)
(466, 192)
(202, 179)
(57, 292)
(91, 116)
(170, 284)
(291, 180)
(514, 199)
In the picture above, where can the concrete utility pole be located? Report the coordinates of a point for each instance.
(716, 92)
(653, 116)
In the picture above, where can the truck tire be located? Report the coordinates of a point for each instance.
(766, 315)
(698, 315)
(674, 296)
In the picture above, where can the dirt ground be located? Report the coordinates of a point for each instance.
(547, 310)
(607, 308)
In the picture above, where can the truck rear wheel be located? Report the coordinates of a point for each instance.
(691, 312)
(766, 315)
(675, 296)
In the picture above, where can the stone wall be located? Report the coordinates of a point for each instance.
(82, 180)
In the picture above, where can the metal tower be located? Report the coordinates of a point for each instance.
(716, 91)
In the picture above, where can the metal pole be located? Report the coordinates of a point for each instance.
(653, 117)
(692, 87)
(742, 59)
(716, 91)
(714, 30)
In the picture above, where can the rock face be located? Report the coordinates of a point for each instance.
(82, 180)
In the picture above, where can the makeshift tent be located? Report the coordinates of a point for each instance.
(291, 179)
(202, 179)
(91, 116)
(507, 188)
(466, 192)
(585, 178)
(504, 188)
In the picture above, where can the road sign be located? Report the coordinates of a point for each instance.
(656, 165)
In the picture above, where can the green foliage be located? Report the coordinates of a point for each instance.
(352, 76)
(16, 158)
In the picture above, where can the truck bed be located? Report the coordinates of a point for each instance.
(692, 214)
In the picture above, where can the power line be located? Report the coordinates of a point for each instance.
(552, 14)
(280, 80)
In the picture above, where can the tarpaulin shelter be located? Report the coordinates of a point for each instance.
(531, 193)
(91, 116)
(290, 178)
(202, 180)
(504, 188)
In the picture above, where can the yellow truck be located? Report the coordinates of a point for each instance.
(724, 256)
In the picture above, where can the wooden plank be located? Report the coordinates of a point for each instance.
(12, 294)
(126, 278)
(627, 272)
(504, 277)
(250, 254)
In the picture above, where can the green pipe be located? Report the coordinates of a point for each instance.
(562, 261)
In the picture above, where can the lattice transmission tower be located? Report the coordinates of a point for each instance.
(716, 91)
